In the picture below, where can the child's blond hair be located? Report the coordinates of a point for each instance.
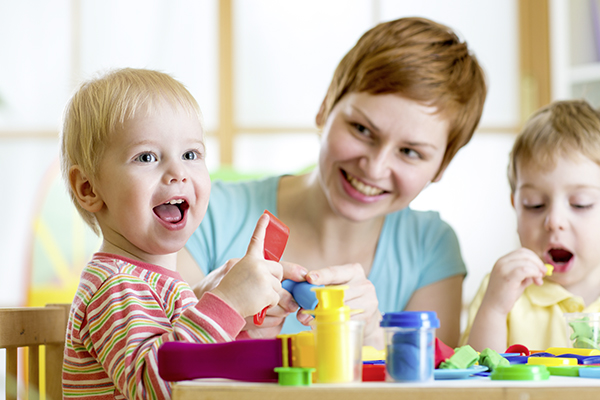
(563, 128)
(101, 105)
(421, 60)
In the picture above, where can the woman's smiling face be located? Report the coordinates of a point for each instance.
(378, 152)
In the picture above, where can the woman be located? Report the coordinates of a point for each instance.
(401, 103)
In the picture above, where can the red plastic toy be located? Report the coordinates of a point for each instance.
(442, 352)
(373, 372)
(518, 348)
(276, 238)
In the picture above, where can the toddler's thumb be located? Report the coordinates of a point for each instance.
(257, 242)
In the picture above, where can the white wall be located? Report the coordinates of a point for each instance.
(474, 198)
(303, 49)
(285, 55)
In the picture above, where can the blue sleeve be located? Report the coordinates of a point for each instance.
(415, 249)
(443, 258)
(233, 210)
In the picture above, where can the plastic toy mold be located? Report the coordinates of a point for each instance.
(276, 238)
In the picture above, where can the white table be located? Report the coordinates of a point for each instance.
(557, 387)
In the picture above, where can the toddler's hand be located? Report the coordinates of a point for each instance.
(213, 279)
(510, 276)
(253, 283)
(271, 327)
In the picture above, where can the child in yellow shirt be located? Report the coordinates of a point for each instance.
(554, 175)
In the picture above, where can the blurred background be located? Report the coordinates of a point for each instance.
(260, 69)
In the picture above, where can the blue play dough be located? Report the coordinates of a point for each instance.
(302, 293)
(410, 355)
(410, 345)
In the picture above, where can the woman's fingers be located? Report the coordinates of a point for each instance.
(293, 271)
(336, 275)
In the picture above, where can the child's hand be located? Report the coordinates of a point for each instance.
(213, 279)
(253, 283)
(509, 278)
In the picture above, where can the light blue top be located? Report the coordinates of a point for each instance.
(415, 248)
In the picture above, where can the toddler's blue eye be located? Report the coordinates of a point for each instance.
(146, 158)
(190, 155)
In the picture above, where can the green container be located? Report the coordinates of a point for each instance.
(571, 370)
(294, 376)
(521, 372)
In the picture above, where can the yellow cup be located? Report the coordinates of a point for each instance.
(339, 351)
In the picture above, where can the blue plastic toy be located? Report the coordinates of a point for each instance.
(302, 293)
(590, 372)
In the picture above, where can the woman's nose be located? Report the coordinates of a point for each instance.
(376, 163)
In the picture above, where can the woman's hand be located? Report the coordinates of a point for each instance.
(360, 295)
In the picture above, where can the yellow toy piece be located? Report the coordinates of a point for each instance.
(303, 350)
(370, 353)
(549, 269)
(557, 351)
(552, 361)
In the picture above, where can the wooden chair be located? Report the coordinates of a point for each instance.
(31, 327)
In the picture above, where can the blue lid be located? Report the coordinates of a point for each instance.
(411, 319)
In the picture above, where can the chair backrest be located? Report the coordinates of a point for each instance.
(32, 327)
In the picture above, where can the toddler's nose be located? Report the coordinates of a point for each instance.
(175, 173)
(555, 219)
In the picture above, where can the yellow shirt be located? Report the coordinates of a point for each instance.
(536, 320)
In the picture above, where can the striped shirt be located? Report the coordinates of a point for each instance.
(122, 312)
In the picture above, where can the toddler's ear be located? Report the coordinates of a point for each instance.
(84, 191)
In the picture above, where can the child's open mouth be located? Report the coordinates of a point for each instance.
(560, 259)
(172, 211)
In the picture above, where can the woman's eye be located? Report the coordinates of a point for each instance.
(361, 129)
(190, 155)
(410, 153)
(146, 158)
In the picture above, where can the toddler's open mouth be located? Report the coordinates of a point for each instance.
(560, 259)
(172, 211)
